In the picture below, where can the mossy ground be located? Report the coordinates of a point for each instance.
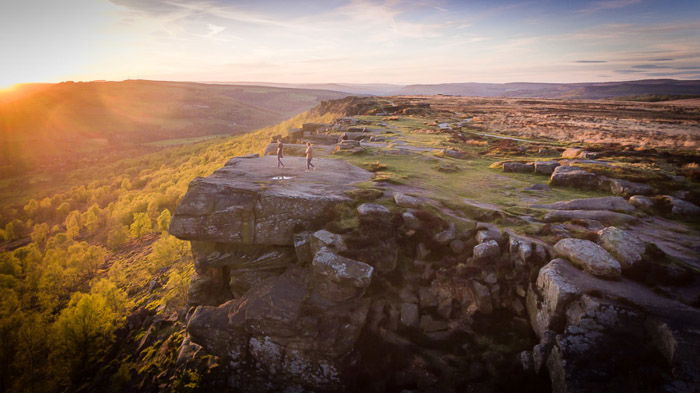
(470, 178)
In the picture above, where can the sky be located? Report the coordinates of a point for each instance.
(349, 41)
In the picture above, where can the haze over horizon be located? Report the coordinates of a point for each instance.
(349, 41)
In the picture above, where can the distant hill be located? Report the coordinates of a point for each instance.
(42, 123)
(534, 90)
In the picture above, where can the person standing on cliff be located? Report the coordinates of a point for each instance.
(280, 153)
(309, 156)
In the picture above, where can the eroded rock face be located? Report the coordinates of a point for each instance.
(406, 298)
(250, 201)
(608, 331)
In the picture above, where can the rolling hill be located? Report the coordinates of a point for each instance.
(600, 90)
(58, 124)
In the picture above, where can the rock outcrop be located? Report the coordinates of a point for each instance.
(299, 287)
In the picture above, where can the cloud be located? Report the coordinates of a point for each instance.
(214, 30)
(607, 5)
(662, 59)
(630, 72)
(590, 61)
(650, 66)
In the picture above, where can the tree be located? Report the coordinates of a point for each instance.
(73, 224)
(40, 233)
(31, 208)
(85, 258)
(10, 231)
(93, 219)
(82, 332)
(167, 251)
(117, 236)
(141, 225)
(62, 210)
(164, 220)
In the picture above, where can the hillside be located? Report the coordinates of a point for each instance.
(534, 90)
(66, 124)
(92, 287)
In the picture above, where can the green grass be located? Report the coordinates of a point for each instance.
(184, 141)
(473, 180)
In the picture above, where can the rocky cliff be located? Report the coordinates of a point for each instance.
(315, 281)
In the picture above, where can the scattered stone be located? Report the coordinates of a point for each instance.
(373, 210)
(588, 256)
(626, 247)
(403, 200)
(486, 251)
(458, 154)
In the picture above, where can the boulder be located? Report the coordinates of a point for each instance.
(247, 201)
(642, 202)
(601, 203)
(678, 207)
(411, 221)
(446, 236)
(458, 154)
(556, 285)
(324, 238)
(486, 234)
(348, 145)
(518, 167)
(625, 187)
(546, 167)
(342, 270)
(487, 250)
(403, 200)
(627, 248)
(373, 210)
(571, 153)
(589, 257)
(571, 176)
